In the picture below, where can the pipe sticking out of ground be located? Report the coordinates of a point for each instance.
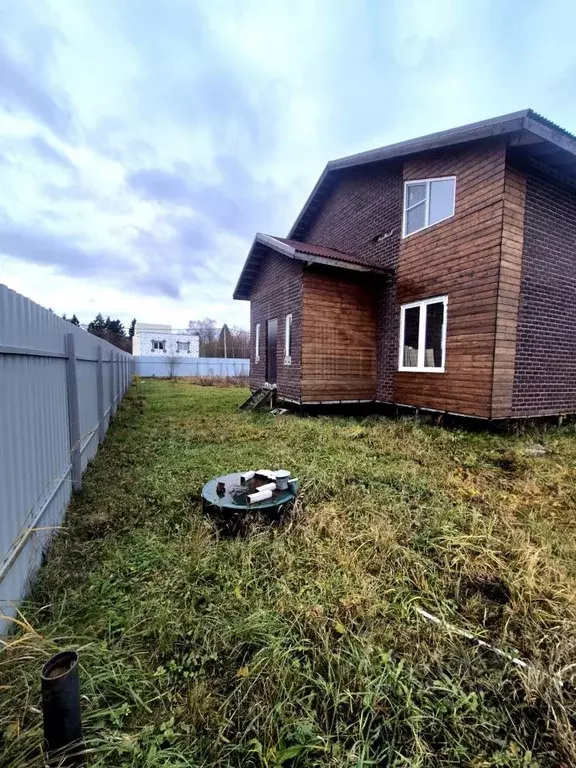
(61, 710)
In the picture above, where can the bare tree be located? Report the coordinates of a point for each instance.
(220, 341)
(173, 363)
(241, 342)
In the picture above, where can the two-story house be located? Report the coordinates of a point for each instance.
(438, 273)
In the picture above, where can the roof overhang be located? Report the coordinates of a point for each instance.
(537, 140)
(262, 243)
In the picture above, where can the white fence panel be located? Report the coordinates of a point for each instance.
(148, 366)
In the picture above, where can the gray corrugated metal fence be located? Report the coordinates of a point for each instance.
(59, 387)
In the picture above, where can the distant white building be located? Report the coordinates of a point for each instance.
(161, 341)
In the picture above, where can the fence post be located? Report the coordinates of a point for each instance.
(111, 383)
(100, 394)
(118, 392)
(73, 413)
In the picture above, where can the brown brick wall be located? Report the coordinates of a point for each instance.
(463, 258)
(545, 377)
(363, 216)
(277, 291)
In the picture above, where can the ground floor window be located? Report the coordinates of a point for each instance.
(288, 341)
(257, 343)
(423, 335)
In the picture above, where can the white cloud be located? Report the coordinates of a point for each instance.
(245, 103)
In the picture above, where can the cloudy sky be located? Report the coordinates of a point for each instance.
(143, 142)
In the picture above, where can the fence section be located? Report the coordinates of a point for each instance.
(161, 367)
(59, 387)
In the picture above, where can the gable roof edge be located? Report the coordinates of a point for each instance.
(505, 124)
(292, 252)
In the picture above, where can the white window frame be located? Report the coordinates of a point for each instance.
(405, 209)
(421, 368)
(257, 343)
(161, 345)
(287, 339)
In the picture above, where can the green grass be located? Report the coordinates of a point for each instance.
(302, 645)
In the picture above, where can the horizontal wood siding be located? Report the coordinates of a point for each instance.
(508, 293)
(460, 258)
(339, 336)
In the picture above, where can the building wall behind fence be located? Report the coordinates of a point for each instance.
(142, 344)
(59, 387)
(148, 366)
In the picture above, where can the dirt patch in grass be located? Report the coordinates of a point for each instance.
(301, 645)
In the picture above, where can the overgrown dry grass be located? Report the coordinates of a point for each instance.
(216, 381)
(303, 646)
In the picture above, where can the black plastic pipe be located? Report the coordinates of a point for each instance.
(61, 708)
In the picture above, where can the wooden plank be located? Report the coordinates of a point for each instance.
(339, 337)
(461, 260)
(509, 293)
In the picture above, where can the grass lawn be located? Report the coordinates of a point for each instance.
(303, 645)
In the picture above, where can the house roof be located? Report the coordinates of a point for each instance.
(530, 138)
(294, 249)
(533, 137)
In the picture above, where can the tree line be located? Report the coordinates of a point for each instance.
(220, 341)
(215, 340)
(110, 330)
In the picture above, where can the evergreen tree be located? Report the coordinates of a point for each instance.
(74, 320)
(98, 326)
(115, 328)
(132, 329)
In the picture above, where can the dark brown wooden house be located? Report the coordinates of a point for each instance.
(438, 273)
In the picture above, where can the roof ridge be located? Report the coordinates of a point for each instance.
(522, 113)
(503, 125)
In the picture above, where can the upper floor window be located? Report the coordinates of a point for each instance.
(423, 336)
(183, 346)
(288, 341)
(159, 345)
(427, 202)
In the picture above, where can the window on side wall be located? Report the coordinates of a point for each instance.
(183, 346)
(423, 336)
(257, 343)
(158, 346)
(427, 202)
(288, 341)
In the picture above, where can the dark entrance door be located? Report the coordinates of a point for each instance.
(271, 339)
